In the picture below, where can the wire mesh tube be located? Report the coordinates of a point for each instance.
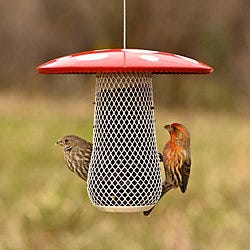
(124, 173)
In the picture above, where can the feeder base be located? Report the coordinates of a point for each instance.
(124, 209)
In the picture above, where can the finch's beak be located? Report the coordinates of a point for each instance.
(168, 127)
(59, 142)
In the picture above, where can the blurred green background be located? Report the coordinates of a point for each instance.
(43, 205)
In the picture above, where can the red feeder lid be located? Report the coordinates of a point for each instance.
(124, 60)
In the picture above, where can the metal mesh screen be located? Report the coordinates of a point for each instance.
(124, 173)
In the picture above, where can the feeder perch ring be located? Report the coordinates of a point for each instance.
(124, 172)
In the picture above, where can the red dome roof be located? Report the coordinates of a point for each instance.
(123, 60)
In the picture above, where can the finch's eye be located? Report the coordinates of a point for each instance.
(66, 140)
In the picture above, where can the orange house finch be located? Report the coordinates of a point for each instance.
(176, 159)
(77, 154)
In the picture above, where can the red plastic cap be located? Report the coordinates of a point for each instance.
(124, 60)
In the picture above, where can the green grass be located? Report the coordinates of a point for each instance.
(44, 206)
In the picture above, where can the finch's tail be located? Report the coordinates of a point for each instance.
(148, 212)
(165, 189)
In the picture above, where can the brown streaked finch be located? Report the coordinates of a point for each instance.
(176, 159)
(77, 154)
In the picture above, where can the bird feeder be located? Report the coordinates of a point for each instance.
(124, 172)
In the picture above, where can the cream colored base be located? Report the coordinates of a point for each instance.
(124, 209)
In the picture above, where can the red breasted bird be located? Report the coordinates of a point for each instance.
(77, 154)
(176, 158)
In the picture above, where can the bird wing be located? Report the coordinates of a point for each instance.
(185, 172)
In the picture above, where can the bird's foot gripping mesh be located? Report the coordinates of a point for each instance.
(124, 173)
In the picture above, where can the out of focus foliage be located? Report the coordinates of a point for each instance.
(216, 32)
(44, 206)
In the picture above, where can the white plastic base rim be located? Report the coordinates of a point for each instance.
(124, 209)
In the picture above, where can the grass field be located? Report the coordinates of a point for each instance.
(44, 206)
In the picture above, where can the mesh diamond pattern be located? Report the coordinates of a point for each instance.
(124, 168)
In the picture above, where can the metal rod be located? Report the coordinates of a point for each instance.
(124, 24)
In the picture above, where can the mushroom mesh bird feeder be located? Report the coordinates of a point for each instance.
(124, 172)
